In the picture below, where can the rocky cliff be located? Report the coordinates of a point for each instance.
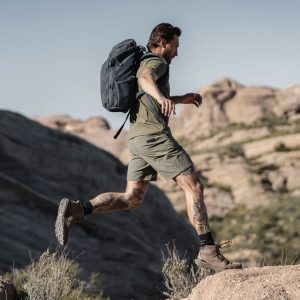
(39, 166)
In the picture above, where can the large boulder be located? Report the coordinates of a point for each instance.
(269, 283)
(39, 166)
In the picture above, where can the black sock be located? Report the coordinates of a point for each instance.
(87, 207)
(206, 239)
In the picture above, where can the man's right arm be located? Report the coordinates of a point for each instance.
(147, 81)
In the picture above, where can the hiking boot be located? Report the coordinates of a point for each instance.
(69, 213)
(210, 257)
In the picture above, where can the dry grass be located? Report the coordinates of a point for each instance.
(179, 276)
(54, 277)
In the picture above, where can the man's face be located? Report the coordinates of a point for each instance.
(170, 49)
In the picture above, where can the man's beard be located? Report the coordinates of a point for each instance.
(167, 59)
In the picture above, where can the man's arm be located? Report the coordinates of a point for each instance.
(190, 98)
(147, 81)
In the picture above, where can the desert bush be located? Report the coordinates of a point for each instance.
(54, 277)
(180, 277)
(271, 120)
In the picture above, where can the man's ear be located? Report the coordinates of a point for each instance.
(162, 43)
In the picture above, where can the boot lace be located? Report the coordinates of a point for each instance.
(220, 246)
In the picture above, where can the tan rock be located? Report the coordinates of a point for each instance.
(218, 202)
(258, 148)
(95, 130)
(272, 283)
(288, 102)
(245, 186)
(279, 158)
(226, 138)
(194, 122)
(250, 104)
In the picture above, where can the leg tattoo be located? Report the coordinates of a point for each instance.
(132, 198)
(196, 208)
(200, 219)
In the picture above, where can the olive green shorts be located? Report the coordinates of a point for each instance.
(156, 153)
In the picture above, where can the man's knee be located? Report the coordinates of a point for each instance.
(136, 193)
(190, 183)
(135, 198)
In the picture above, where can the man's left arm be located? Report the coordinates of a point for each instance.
(190, 98)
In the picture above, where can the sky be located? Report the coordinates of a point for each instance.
(52, 51)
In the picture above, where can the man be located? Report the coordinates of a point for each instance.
(153, 150)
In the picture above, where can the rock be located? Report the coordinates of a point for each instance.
(250, 104)
(233, 137)
(38, 167)
(218, 202)
(279, 143)
(198, 122)
(270, 283)
(234, 176)
(67, 123)
(7, 290)
(288, 102)
(95, 130)
(226, 102)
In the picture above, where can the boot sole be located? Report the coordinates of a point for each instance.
(61, 228)
(205, 265)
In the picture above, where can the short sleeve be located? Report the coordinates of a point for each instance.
(156, 65)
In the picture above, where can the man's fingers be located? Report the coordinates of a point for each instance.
(163, 107)
(168, 107)
(196, 103)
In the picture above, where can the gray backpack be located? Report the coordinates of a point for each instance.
(118, 82)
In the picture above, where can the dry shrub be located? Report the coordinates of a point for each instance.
(55, 277)
(180, 277)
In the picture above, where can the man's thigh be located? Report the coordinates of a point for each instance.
(139, 170)
(162, 153)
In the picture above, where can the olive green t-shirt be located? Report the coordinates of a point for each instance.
(142, 120)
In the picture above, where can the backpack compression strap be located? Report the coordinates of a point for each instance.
(121, 128)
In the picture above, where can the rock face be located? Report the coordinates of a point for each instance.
(226, 102)
(272, 283)
(39, 166)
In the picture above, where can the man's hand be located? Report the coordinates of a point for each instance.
(167, 106)
(192, 98)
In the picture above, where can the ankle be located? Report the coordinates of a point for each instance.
(87, 207)
(206, 239)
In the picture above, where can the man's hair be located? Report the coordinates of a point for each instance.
(162, 32)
